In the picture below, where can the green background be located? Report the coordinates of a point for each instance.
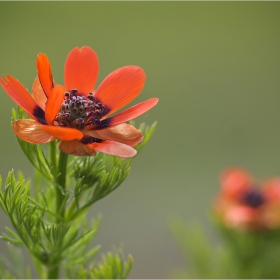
(215, 67)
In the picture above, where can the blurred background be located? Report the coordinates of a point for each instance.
(215, 67)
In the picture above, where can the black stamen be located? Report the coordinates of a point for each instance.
(253, 198)
(74, 90)
(89, 140)
(103, 124)
(79, 111)
(39, 114)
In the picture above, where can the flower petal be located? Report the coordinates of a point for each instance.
(234, 182)
(128, 114)
(113, 148)
(76, 148)
(31, 131)
(44, 73)
(120, 87)
(271, 190)
(81, 70)
(63, 133)
(123, 133)
(54, 103)
(241, 216)
(38, 93)
(22, 97)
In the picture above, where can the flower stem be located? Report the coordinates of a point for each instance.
(53, 154)
(53, 273)
(61, 184)
(60, 171)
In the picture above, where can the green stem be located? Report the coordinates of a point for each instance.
(60, 171)
(53, 154)
(53, 273)
(61, 182)
(72, 207)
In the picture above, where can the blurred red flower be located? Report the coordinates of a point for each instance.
(243, 204)
(75, 113)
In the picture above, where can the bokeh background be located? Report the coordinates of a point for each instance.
(215, 67)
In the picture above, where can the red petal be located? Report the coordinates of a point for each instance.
(123, 133)
(81, 70)
(130, 113)
(22, 97)
(114, 148)
(44, 73)
(76, 148)
(241, 216)
(38, 93)
(271, 190)
(31, 131)
(120, 87)
(234, 181)
(54, 103)
(63, 133)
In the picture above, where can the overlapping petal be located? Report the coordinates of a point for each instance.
(31, 131)
(234, 181)
(123, 133)
(271, 190)
(54, 102)
(63, 133)
(120, 88)
(129, 114)
(112, 135)
(81, 70)
(22, 97)
(76, 148)
(38, 93)
(113, 148)
(44, 73)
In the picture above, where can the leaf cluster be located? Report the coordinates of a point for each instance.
(203, 258)
(112, 266)
(238, 255)
(8, 269)
(48, 242)
(253, 254)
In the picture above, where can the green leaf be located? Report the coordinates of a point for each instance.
(112, 266)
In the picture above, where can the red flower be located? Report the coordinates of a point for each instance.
(241, 204)
(74, 113)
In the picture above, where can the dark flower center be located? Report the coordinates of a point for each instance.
(79, 111)
(253, 198)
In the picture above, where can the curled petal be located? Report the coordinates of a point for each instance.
(129, 114)
(120, 87)
(44, 73)
(113, 148)
(76, 148)
(22, 97)
(38, 93)
(63, 133)
(123, 133)
(54, 103)
(31, 131)
(81, 70)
